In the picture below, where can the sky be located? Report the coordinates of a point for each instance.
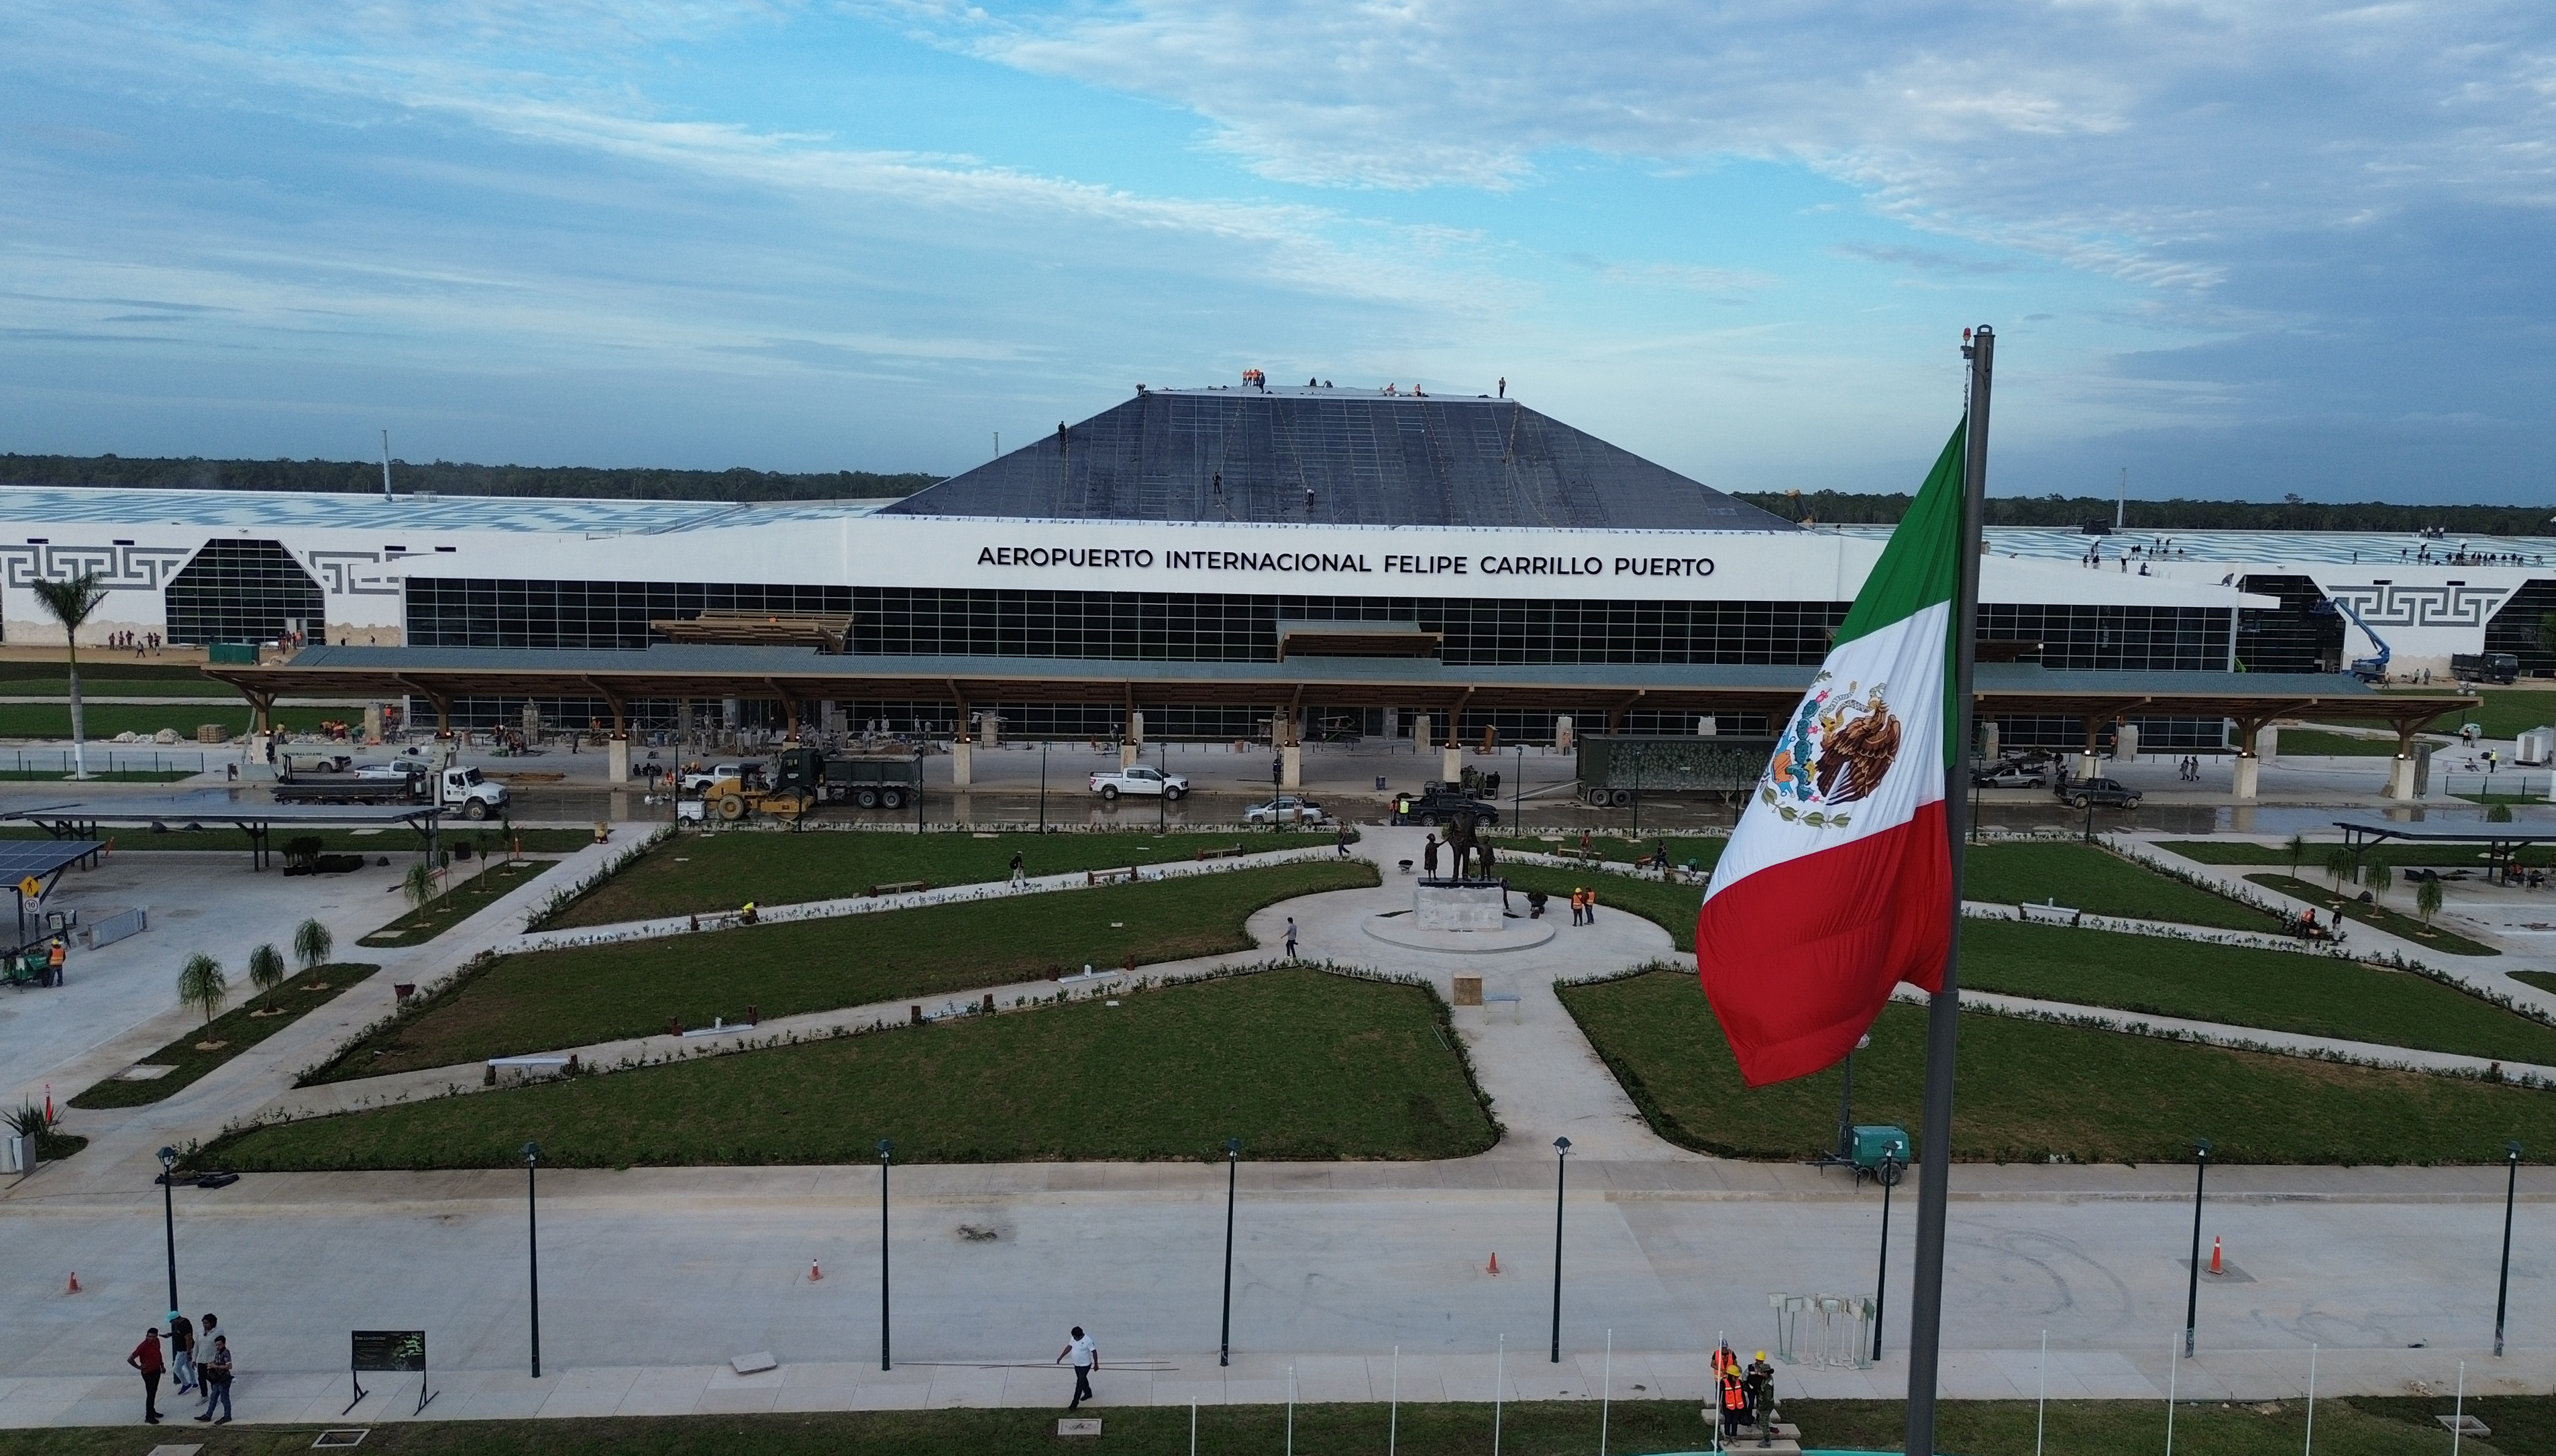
(2234, 250)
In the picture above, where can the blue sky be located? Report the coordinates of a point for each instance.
(2242, 250)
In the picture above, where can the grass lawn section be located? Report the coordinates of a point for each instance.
(239, 1028)
(2283, 991)
(395, 841)
(2035, 1089)
(2309, 742)
(105, 720)
(1671, 906)
(697, 873)
(1298, 1063)
(2410, 928)
(2439, 856)
(93, 686)
(2360, 1426)
(465, 900)
(102, 665)
(558, 999)
(2089, 878)
(2505, 712)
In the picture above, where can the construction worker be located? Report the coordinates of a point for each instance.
(1734, 1404)
(1759, 1378)
(54, 955)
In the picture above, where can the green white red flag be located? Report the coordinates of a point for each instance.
(1837, 885)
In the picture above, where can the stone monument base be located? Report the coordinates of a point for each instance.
(1460, 917)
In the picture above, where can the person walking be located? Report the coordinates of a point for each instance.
(181, 1351)
(1086, 1359)
(217, 1380)
(1020, 876)
(1291, 938)
(146, 1359)
(207, 1331)
(1588, 906)
(1345, 838)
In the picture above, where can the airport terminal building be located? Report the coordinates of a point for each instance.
(1340, 560)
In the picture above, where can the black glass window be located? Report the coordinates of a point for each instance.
(243, 591)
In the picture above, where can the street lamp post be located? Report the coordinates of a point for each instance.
(532, 1246)
(169, 1216)
(1889, 1174)
(1232, 1170)
(2503, 1288)
(1561, 1164)
(1163, 797)
(1517, 792)
(2191, 1284)
(887, 1150)
(1043, 747)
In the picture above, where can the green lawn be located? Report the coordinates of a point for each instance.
(101, 665)
(2283, 991)
(467, 898)
(1298, 1063)
(573, 998)
(701, 872)
(1671, 906)
(2505, 712)
(2360, 1426)
(2033, 1089)
(2090, 878)
(2444, 856)
(95, 684)
(2410, 928)
(237, 1029)
(2309, 742)
(105, 720)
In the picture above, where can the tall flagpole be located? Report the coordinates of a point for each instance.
(1944, 1008)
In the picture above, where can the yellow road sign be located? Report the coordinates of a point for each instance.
(30, 887)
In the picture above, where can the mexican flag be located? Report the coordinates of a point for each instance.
(1837, 885)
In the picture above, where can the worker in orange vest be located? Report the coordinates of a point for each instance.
(1734, 1404)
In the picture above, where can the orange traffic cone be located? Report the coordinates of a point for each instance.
(2215, 1266)
(74, 1289)
(1495, 1265)
(813, 1273)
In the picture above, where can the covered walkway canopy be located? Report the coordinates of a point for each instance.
(78, 822)
(795, 677)
(39, 864)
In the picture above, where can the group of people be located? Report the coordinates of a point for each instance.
(1745, 1395)
(142, 643)
(2189, 769)
(201, 1362)
(1583, 906)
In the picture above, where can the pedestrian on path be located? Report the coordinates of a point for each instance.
(1291, 938)
(217, 1380)
(181, 1351)
(1019, 874)
(146, 1359)
(1588, 906)
(1086, 1359)
(1345, 839)
(207, 1331)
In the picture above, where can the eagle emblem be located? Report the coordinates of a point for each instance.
(1836, 751)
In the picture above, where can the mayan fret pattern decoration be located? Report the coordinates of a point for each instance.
(2452, 604)
(120, 565)
(353, 574)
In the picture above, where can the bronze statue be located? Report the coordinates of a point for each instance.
(1461, 840)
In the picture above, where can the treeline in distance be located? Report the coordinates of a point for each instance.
(2074, 512)
(445, 477)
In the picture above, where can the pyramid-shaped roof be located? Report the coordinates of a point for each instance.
(1349, 457)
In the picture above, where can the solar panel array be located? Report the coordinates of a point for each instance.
(1326, 457)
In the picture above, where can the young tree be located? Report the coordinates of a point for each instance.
(2380, 878)
(2547, 631)
(419, 886)
(2427, 898)
(71, 603)
(312, 943)
(2298, 850)
(2337, 864)
(202, 985)
(266, 968)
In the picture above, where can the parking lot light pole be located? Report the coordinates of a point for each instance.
(168, 1216)
(1561, 1165)
(2503, 1288)
(1163, 790)
(533, 1247)
(886, 1151)
(2192, 1281)
(1888, 1174)
(1043, 748)
(1232, 1170)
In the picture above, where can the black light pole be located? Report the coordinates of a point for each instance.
(1561, 1164)
(533, 1247)
(2192, 1286)
(1163, 799)
(169, 1215)
(2503, 1288)
(1043, 747)
(1889, 1174)
(886, 1151)
(1517, 792)
(1232, 1170)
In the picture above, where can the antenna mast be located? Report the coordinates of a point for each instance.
(386, 464)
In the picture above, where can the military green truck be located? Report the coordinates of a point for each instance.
(863, 780)
(1613, 767)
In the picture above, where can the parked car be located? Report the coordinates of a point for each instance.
(2109, 793)
(1141, 780)
(698, 781)
(1285, 809)
(2006, 775)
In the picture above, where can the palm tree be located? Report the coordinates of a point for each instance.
(265, 968)
(202, 985)
(2427, 898)
(2298, 850)
(419, 886)
(2380, 878)
(312, 943)
(2337, 864)
(71, 603)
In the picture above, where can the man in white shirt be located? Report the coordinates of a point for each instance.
(1086, 1359)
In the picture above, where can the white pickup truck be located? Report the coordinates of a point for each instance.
(1112, 783)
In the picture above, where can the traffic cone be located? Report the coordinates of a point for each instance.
(74, 1289)
(2215, 1266)
(1496, 1266)
(813, 1273)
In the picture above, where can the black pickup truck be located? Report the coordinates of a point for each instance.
(2112, 794)
(1438, 802)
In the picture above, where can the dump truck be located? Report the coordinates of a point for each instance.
(863, 780)
(454, 788)
(1613, 767)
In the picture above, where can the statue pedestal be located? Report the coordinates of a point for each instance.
(1460, 917)
(1458, 905)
